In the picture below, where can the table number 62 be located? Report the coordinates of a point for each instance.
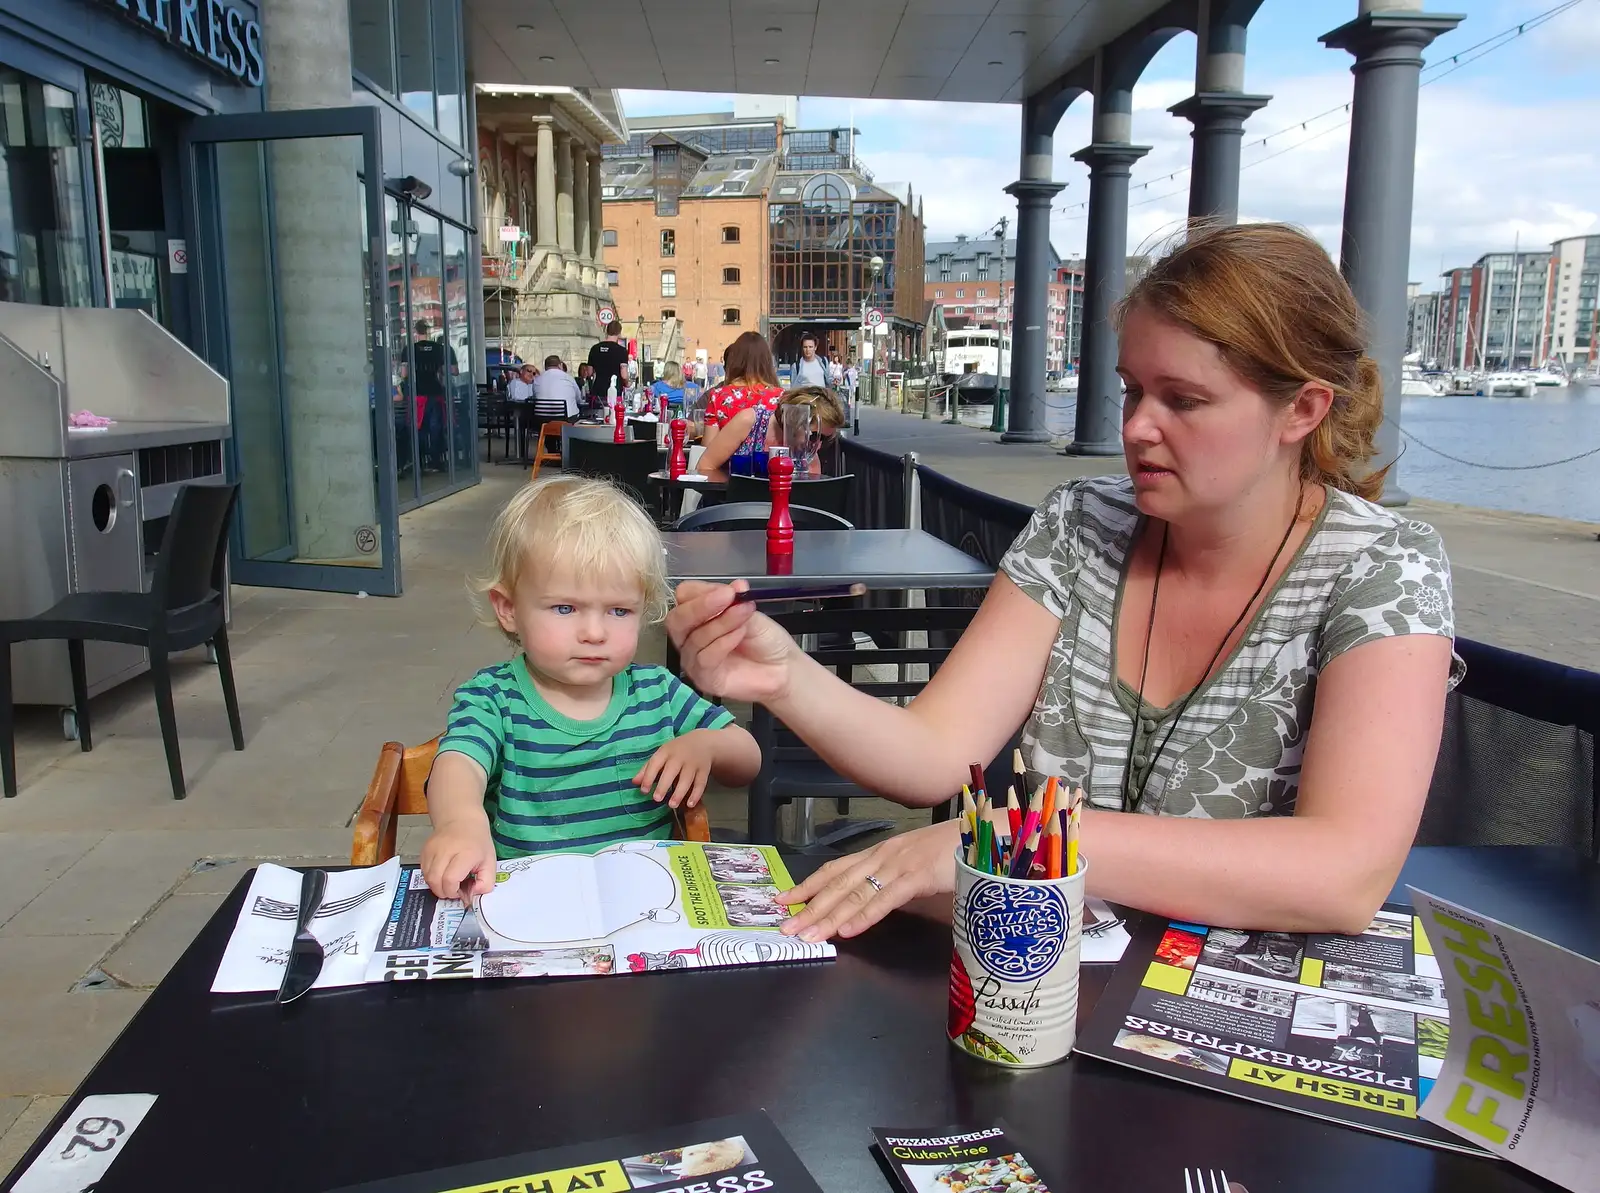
(86, 1144)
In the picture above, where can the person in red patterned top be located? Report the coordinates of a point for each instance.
(752, 381)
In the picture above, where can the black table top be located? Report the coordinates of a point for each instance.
(376, 1081)
(876, 558)
(697, 482)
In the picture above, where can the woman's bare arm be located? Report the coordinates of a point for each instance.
(727, 440)
(918, 755)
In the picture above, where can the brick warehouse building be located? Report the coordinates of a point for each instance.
(733, 222)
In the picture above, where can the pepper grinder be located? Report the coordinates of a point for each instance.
(780, 524)
(619, 416)
(677, 462)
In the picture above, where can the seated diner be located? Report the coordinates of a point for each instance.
(1233, 649)
(802, 418)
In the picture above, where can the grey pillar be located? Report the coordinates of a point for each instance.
(322, 333)
(1218, 118)
(597, 246)
(1098, 431)
(1375, 250)
(580, 202)
(544, 187)
(1030, 324)
(564, 191)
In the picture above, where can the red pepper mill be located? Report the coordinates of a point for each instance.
(780, 525)
(678, 462)
(619, 414)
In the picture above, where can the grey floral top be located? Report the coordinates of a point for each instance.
(1363, 573)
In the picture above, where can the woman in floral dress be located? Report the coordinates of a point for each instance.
(1238, 655)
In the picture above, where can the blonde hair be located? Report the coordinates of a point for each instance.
(672, 374)
(825, 405)
(588, 525)
(1281, 315)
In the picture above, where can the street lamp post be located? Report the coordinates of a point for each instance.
(869, 362)
(998, 423)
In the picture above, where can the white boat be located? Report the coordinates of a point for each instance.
(1414, 385)
(1067, 383)
(1505, 385)
(1548, 376)
(1463, 382)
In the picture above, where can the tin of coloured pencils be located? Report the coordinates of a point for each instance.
(1014, 967)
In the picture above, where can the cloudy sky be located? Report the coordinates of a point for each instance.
(1507, 146)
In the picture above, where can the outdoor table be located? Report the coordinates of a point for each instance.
(672, 489)
(376, 1081)
(888, 559)
(605, 431)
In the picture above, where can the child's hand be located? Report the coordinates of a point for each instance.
(454, 854)
(679, 769)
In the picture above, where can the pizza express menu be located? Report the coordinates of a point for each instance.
(983, 1160)
(1350, 1028)
(741, 1154)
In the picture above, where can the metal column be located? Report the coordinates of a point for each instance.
(1098, 431)
(1218, 118)
(1375, 252)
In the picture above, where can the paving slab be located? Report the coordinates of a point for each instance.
(62, 1036)
(42, 967)
(143, 958)
(30, 1121)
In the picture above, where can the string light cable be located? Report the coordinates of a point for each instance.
(1431, 74)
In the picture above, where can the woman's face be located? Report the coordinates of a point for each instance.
(1196, 436)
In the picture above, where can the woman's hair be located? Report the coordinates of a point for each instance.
(589, 526)
(672, 374)
(1270, 299)
(826, 409)
(749, 359)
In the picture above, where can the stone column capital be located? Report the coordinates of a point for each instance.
(1034, 192)
(1390, 38)
(1110, 157)
(1219, 110)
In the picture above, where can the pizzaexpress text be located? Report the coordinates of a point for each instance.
(1271, 1056)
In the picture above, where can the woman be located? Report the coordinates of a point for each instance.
(1232, 640)
(752, 381)
(669, 384)
(802, 418)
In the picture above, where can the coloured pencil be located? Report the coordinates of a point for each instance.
(1051, 789)
(1074, 822)
(1001, 834)
(800, 592)
(1052, 849)
(1013, 812)
(1030, 822)
(1022, 866)
(1019, 773)
(976, 772)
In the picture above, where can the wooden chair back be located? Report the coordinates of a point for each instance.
(541, 449)
(399, 788)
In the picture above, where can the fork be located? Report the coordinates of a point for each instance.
(469, 937)
(1196, 1180)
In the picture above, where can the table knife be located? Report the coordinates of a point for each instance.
(305, 955)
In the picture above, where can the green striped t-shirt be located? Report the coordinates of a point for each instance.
(556, 783)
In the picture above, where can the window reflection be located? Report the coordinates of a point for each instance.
(414, 41)
(371, 41)
(447, 71)
(44, 241)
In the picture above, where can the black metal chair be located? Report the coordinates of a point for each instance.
(753, 515)
(831, 493)
(627, 465)
(790, 770)
(1516, 763)
(183, 609)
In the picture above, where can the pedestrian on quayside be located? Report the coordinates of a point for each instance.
(571, 744)
(1240, 657)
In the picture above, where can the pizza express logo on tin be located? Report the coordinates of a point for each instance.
(223, 37)
(1017, 932)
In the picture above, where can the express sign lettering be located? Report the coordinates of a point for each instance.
(216, 33)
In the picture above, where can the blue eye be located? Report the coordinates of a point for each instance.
(619, 611)
(561, 609)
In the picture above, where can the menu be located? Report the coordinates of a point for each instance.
(1521, 1076)
(977, 1160)
(1349, 1028)
(741, 1154)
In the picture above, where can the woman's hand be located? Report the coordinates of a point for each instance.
(842, 902)
(729, 649)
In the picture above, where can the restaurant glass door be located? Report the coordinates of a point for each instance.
(288, 255)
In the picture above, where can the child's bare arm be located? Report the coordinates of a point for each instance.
(678, 771)
(461, 845)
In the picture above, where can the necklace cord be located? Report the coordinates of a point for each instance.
(1144, 667)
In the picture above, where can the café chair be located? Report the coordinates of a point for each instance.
(626, 465)
(790, 769)
(183, 609)
(1516, 763)
(542, 450)
(831, 493)
(753, 515)
(398, 788)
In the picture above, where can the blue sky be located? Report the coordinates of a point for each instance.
(1508, 147)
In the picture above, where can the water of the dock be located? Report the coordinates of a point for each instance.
(103, 873)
